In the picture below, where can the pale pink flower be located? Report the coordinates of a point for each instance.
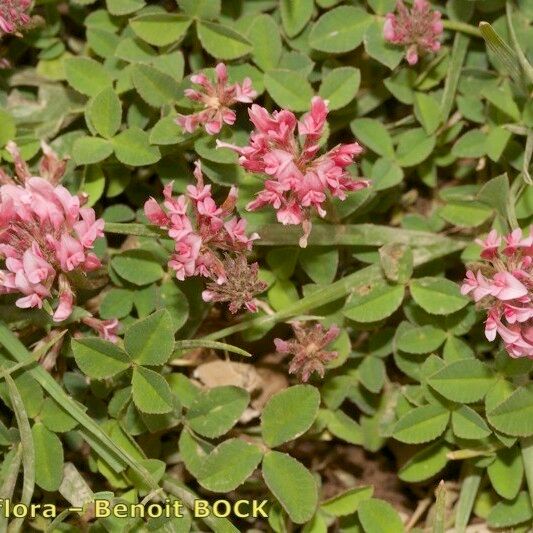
(299, 181)
(107, 329)
(44, 235)
(216, 99)
(503, 285)
(419, 29)
(204, 233)
(14, 16)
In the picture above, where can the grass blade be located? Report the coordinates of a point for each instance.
(28, 452)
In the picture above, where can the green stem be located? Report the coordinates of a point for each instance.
(467, 496)
(321, 235)
(462, 27)
(527, 456)
(338, 289)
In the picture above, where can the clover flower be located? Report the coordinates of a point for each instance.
(240, 287)
(307, 349)
(202, 231)
(503, 285)
(299, 181)
(217, 100)
(14, 16)
(45, 235)
(418, 29)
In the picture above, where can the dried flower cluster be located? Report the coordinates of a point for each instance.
(14, 16)
(299, 181)
(503, 285)
(217, 100)
(418, 29)
(240, 287)
(201, 234)
(307, 349)
(45, 235)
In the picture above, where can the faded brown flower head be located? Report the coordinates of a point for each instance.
(241, 285)
(308, 349)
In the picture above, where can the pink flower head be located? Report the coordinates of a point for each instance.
(503, 285)
(298, 181)
(418, 29)
(308, 349)
(14, 16)
(205, 232)
(45, 236)
(106, 329)
(217, 100)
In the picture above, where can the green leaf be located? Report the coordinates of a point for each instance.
(117, 303)
(222, 42)
(289, 414)
(151, 393)
(344, 427)
(229, 465)
(289, 89)
(373, 135)
(295, 14)
(396, 261)
(8, 129)
(427, 112)
(464, 381)
(105, 113)
(471, 144)
(292, 485)
(379, 303)
(166, 131)
(216, 411)
(203, 9)
(160, 29)
(124, 7)
(414, 146)
(99, 359)
(506, 472)
(55, 417)
(425, 463)
(48, 458)
(378, 516)
(347, 502)
(510, 513)
(467, 424)
(495, 193)
(514, 416)
(340, 30)
(501, 97)
(155, 87)
(377, 48)
(437, 296)
(132, 147)
(320, 263)
(496, 142)
(90, 150)
(465, 214)
(266, 41)
(421, 424)
(86, 75)
(423, 339)
(340, 86)
(150, 341)
(137, 266)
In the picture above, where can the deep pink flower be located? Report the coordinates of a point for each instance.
(418, 29)
(503, 285)
(308, 349)
(216, 100)
(14, 16)
(203, 232)
(44, 235)
(299, 182)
